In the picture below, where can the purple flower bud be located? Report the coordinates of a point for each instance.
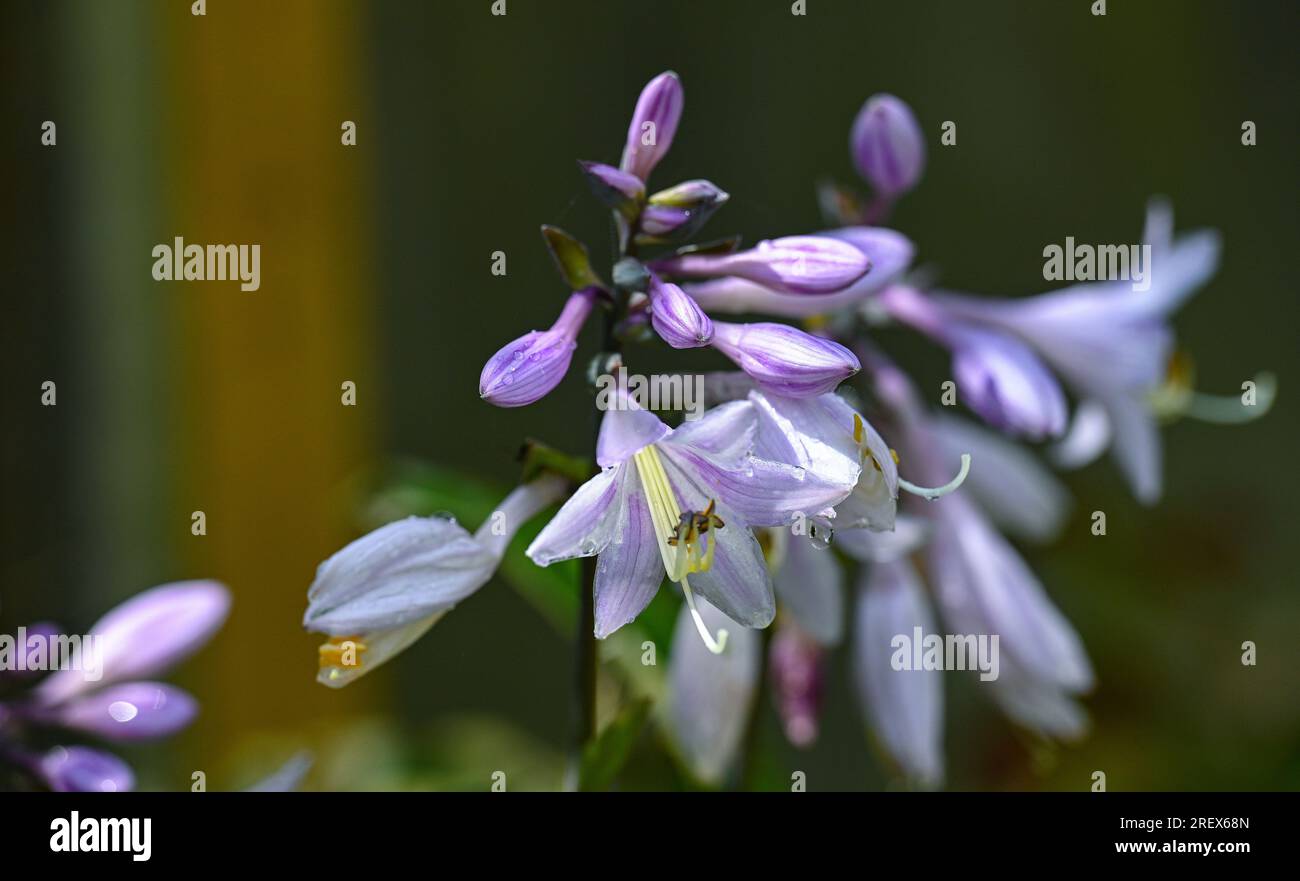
(887, 145)
(794, 264)
(130, 711)
(692, 194)
(146, 635)
(654, 123)
(785, 360)
(797, 663)
(81, 769)
(661, 221)
(676, 318)
(616, 188)
(527, 369)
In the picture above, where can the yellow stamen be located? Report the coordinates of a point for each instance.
(678, 535)
(342, 651)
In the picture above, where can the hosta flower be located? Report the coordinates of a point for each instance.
(1110, 343)
(654, 124)
(680, 503)
(997, 375)
(889, 253)
(797, 663)
(527, 369)
(386, 589)
(887, 145)
(711, 696)
(794, 264)
(904, 707)
(784, 359)
(139, 639)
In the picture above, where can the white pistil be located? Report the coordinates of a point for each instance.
(1230, 409)
(932, 493)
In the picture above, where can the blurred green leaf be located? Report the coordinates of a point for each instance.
(605, 756)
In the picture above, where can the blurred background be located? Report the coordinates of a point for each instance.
(176, 397)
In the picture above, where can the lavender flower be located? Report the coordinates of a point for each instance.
(1109, 343)
(654, 124)
(887, 145)
(905, 708)
(676, 317)
(710, 696)
(680, 502)
(386, 589)
(793, 265)
(142, 637)
(998, 376)
(525, 370)
(784, 359)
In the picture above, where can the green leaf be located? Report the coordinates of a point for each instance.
(571, 258)
(605, 756)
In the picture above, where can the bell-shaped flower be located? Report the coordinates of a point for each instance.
(525, 371)
(887, 145)
(997, 375)
(785, 360)
(889, 252)
(809, 584)
(1110, 343)
(904, 707)
(711, 696)
(654, 124)
(676, 318)
(680, 503)
(793, 265)
(386, 589)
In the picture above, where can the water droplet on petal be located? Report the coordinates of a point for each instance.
(123, 711)
(820, 536)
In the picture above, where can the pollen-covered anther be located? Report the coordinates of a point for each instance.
(341, 651)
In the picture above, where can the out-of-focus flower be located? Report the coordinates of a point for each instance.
(887, 145)
(82, 769)
(711, 696)
(785, 360)
(1110, 343)
(793, 265)
(889, 253)
(998, 376)
(680, 502)
(142, 637)
(904, 707)
(525, 370)
(386, 589)
(797, 663)
(676, 318)
(654, 124)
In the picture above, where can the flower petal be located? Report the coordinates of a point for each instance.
(584, 524)
(82, 769)
(130, 711)
(630, 568)
(710, 696)
(905, 707)
(810, 585)
(1019, 494)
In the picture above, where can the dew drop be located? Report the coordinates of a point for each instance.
(123, 711)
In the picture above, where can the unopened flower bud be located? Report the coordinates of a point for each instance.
(654, 123)
(887, 145)
(678, 320)
(785, 360)
(527, 369)
(794, 264)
